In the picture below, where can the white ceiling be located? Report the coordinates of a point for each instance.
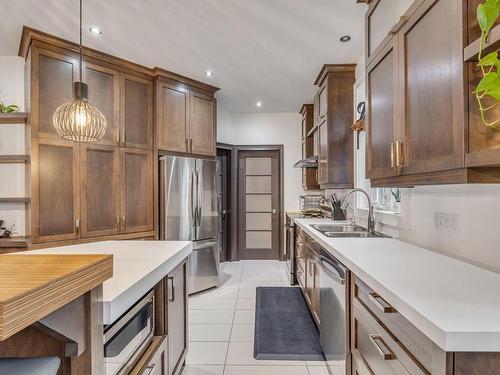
(267, 50)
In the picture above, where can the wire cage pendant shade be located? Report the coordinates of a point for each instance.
(78, 120)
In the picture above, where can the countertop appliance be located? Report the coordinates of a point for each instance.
(334, 281)
(189, 212)
(127, 338)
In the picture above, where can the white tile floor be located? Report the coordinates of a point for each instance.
(221, 325)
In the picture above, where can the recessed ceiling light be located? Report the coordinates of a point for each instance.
(209, 73)
(259, 104)
(345, 38)
(95, 30)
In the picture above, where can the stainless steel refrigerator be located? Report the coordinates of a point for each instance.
(189, 212)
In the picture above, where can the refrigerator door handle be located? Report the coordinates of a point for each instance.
(193, 205)
(199, 199)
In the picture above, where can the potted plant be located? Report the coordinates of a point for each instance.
(396, 193)
(8, 108)
(489, 86)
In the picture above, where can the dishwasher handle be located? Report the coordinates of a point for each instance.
(332, 270)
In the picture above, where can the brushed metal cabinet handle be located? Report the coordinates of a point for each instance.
(187, 145)
(381, 303)
(171, 298)
(77, 226)
(123, 223)
(382, 348)
(117, 226)
(191, 148)
(393, 164)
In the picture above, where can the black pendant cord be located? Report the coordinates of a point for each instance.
(81, 62)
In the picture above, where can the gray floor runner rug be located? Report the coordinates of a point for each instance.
(284, 327)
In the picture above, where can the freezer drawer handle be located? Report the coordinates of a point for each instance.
(381, 303)
(172, 289)
(326, 265)
(382, 348)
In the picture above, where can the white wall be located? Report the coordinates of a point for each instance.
(268, 129)
(12, 142)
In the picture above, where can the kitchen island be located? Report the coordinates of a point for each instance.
(441, 310)
(155, 268)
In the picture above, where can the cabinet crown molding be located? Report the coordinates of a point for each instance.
(161, 73)
(333, 68)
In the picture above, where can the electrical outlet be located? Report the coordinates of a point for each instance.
(446, 222)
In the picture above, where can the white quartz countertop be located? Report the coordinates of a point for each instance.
(137, 267)
(455, 304)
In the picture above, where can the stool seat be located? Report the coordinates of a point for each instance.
(29, 366)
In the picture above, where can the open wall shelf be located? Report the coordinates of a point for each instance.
(15, 200)
(492, 44)
(14, 118)
(13, 159)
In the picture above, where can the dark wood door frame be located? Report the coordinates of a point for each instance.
(232, 241)
(279, 148)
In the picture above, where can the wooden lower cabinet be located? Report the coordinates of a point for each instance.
(55, 190)
(177, 318)
(137, 202)
(100, 189)
(154, 361)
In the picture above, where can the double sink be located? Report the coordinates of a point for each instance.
(345, 231)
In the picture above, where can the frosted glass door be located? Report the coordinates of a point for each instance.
(259, 197)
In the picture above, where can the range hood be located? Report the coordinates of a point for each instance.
(311, 162)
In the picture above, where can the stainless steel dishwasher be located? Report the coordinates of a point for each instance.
(333, 311)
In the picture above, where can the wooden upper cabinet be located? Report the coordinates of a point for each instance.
(383, 19)
(382, 112)
(136, 112)
(52, 77)
(432, 84)
(55, 190)
(137, 190)
(202, 124)
(100, 195)
(104, 93)
(172, 114)
(335, 116)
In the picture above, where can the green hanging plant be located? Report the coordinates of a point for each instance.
(8, 108)
(489, 86)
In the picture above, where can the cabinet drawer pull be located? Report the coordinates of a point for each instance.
(395, 29)
(393, 164)
(149, 369)
(400, 155)
(381, 303)
(171, 298)
(382, 348)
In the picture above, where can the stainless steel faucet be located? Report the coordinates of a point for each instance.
(371, 218)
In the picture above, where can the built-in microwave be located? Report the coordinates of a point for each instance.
(127, 338)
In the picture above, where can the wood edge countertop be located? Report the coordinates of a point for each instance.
(33, 286)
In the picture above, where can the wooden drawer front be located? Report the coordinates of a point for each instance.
(381, 353)
(154, 359)
(428, 354)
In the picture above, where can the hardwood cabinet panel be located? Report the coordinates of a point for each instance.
(177, 318)
(432, 84)
(172, 117)
(202, 124)
(55, 172)
(100, 190)
(137, 190)
(104, 93)
(52, 79)
(136, 112)
(382, 112)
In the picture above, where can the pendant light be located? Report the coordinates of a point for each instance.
(78, 120)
